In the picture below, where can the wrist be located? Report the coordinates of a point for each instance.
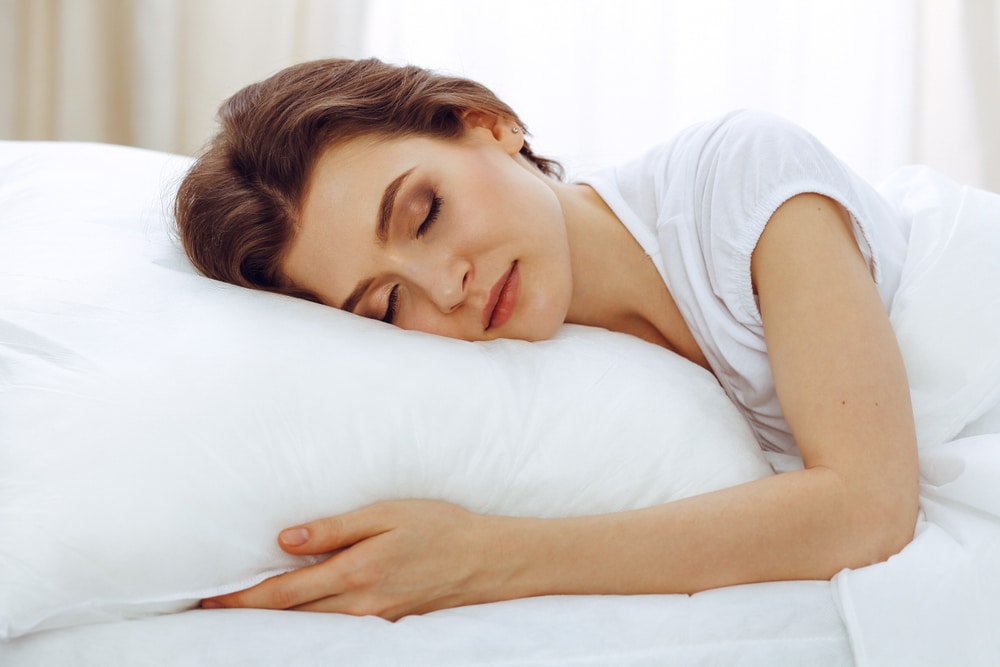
(507, 556)
(528, 557)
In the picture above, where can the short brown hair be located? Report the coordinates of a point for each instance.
(237, 207)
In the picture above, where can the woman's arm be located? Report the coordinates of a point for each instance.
(842, 387)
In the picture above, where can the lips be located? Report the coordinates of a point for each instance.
(503, 299)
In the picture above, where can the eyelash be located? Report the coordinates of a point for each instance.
(392, 307)
(432, 216)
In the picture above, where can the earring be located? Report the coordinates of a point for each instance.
(515, 129)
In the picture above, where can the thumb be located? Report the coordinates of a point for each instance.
(294, 539)
(329, 534)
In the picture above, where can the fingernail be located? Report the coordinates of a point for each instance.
(211, 604)
(294, 537)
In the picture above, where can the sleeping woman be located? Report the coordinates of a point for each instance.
(742, 245)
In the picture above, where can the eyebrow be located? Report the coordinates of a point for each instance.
(387, 204)
(359, 291)
(381, 233)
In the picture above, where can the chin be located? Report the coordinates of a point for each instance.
(547, 333)
(540, 327)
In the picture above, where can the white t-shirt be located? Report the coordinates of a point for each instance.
(697, 206)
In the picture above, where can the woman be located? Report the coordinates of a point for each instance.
(742, 245)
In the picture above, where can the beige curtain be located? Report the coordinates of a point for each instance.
(151, 73)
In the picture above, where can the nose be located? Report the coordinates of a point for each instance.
(443, 280)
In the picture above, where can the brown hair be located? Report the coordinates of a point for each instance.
(236, 208)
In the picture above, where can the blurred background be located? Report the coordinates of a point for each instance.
(882, 82)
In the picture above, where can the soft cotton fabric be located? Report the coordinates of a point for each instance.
(698, 205)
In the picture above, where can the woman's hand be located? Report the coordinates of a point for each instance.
(397, 558)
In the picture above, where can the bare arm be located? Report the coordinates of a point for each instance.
(842, 386)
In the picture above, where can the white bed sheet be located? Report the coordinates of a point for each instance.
(762, 624)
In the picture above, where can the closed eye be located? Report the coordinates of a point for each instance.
(392, 307)
(432, 216)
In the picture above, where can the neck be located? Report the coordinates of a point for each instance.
(615, 284)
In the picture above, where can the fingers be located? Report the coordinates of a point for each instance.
(341, 584)
(355, 604)
(332, 533)
(389, 560)
(321, 582)
(285, 591)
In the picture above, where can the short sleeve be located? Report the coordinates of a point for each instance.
(698, 204)
(751, 164)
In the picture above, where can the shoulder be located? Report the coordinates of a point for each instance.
(748, 131)
(756, 123)
(760, 156)
(747, 168)
(748, 164)
(752, 156)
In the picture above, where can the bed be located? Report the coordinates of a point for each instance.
(158, 428)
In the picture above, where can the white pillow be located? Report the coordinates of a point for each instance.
(157, 429)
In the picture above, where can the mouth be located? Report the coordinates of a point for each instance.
(503, 299)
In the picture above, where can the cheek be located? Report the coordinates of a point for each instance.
(547, 305)
(432, 322)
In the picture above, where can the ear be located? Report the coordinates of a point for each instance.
(504, 131)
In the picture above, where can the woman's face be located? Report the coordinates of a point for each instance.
(453, 237)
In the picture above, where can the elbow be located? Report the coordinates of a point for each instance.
(883, 528)
(873, 512)
(891, 541)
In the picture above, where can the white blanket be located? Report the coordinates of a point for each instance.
(938, 601)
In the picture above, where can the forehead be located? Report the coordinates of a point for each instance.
(337, 216)
(353, 166)
(355, 173)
